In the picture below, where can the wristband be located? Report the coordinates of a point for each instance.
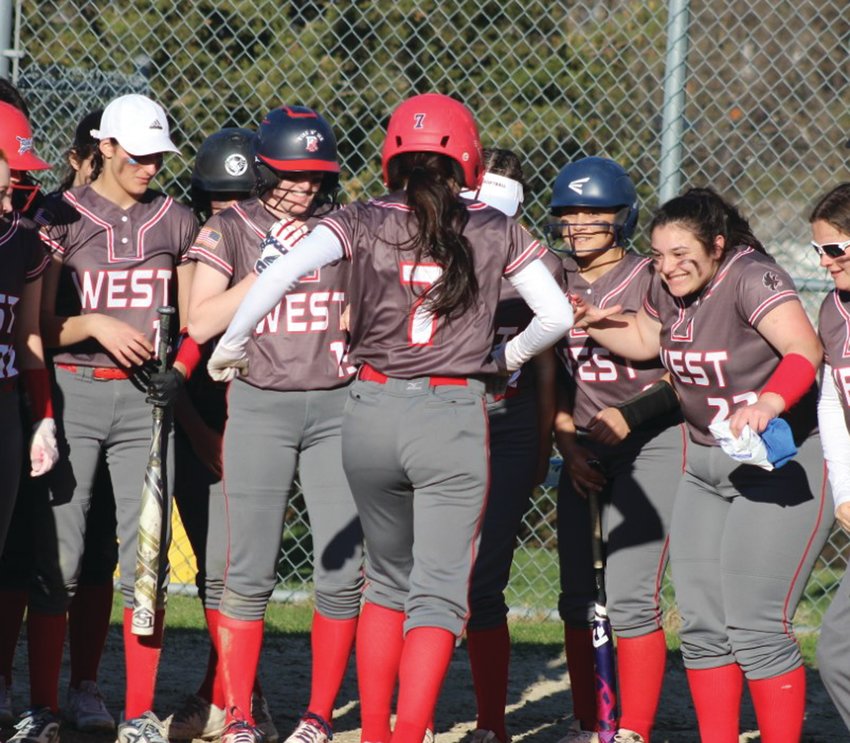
(37, 383)
(654, 401)
(791, 379)
(189, 353)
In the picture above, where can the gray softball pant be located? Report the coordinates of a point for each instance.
(834, 650)
(637, 502)
(513, 460)
(743, 542)
(416, 457)
(268, 434)
(92, 416)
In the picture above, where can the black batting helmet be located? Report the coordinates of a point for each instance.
(224, 164)
(292, 139)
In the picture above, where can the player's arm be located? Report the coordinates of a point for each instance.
(213, 303)
(127, 345)
(43, 447)
(553, 315)
(633, 336)
(583, 476)
(544, 366)
(787, 329)
(836, 446)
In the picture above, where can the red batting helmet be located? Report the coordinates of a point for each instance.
(435, 123)
(16, 140)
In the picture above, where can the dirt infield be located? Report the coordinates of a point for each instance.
(538, 694)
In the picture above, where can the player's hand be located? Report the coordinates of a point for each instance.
(44, 449)
(126, 344)
(227, 363)
(757, 415)
(345, 319)
(585, 477)
(587, 315)
(280, 239)
(842, 515)
(163, 387)
(609, 427)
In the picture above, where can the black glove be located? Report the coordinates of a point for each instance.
(163, 387)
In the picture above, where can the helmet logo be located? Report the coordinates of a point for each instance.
(312, 140)
(236, 164)
(578, 185)
(418, 121)
(24, 144)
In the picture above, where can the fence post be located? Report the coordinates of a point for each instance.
(6, 25)
(673, 118)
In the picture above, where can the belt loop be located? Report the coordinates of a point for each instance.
(86, 373)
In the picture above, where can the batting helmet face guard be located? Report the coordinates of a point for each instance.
(595, 183)
(292, 139)
(16, 140)
(435, 123)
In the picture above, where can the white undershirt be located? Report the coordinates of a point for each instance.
(835, 438)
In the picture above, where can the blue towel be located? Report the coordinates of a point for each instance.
(779, 442)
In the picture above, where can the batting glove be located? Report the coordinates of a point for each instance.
(44, 449)
(281, 238)
(226, 363)
(163, 387)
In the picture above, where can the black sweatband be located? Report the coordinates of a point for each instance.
(653, 402)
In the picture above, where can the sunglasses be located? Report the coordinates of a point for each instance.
(833, 250)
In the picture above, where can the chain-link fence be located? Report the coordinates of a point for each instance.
(748, 96)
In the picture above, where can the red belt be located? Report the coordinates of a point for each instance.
(97, 372)
(370, 374)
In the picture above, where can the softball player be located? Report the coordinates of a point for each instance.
(520, 420)
(830, 221)
(90, 610)
(426, 273)
(222, 175)
(637, 443)
(115, 244)
(285, 413)
(731, 331)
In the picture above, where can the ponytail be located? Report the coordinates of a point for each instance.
(432, 183)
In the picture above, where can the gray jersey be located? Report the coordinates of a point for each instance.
(834, 331)
(391, 327)
(24, 259)
(603, 379)
(513, 316)
(118, 262)
(299, 345)
(710, 345)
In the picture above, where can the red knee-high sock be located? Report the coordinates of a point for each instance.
(424, 662)
(11, 618)
(780, 703)
(331, 641)
(240, 641)
(717, 699)
(88, 625)
(45, 642)
(489, 657)
(641, 661)
(211, 687)
(141, 661)
(578, 643)
(380, 639)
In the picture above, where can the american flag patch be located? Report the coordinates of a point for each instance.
(208, 238)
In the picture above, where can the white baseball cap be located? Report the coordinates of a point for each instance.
(137, 123)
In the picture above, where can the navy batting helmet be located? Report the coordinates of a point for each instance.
(292, 139)
(598, 183)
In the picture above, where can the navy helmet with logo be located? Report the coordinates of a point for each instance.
(292, 139)
(598, 183)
